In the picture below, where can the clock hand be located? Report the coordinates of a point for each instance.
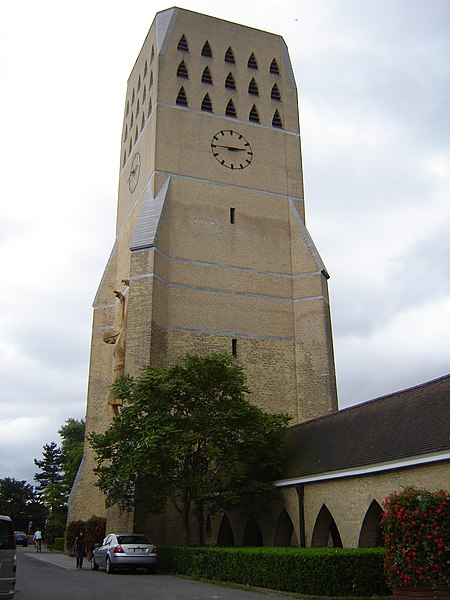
(232, 148)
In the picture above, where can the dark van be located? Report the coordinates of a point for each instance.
(8, 558)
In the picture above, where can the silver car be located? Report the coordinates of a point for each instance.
(125, 551)
(8, 558)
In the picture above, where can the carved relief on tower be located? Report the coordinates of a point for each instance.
(117, 337)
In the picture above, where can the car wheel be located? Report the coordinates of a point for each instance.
(109, 567)
(94, 565)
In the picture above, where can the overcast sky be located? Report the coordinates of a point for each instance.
(373, 82)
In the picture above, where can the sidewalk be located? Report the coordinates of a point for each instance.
(55, 558)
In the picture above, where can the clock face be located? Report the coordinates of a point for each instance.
(133, 178)
(231, 149)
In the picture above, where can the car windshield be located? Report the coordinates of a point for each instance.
(133, 539)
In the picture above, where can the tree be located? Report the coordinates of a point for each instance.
(51, 489)
(187, 435)
(72, 447)
(18, 501)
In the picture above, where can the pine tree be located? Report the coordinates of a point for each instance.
(51, 489)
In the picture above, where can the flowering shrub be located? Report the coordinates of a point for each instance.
(416, 526)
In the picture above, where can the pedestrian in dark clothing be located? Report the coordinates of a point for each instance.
(79, 547)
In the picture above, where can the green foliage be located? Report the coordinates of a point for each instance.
(416, 526)
(72, 530)
(59, 544)
(72, 447)
(187, 435)
(54, 528)
(50, 489)
(95, 532)
(311, 571)
(15, 499)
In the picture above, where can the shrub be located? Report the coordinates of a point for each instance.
(312, 571)
(73, 529)
(94, 532)
(416, 526)
(59, 544)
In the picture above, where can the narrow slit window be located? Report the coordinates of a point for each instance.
(232, 215)
(254, 116)
(229, 56)
(151, 80)
(143, 121)
(133, 96)
(152, 55)
(136, 135)
(206, 50)
(182, 70)
(138, 108)
(131, 145)
(125, 135)
(182, 98)
(252, 64)
(128, 109)
(275, 93)
(234, 347)
(149, 108)
(124, 158)
(206, 76)
(182, 44)
(139, 83)
(144, 94)
(276, 121)
(145, 69)
(274, 67)
(253, 88)
(206, 104)
(230, 82)
(230, 110)
(132, 121)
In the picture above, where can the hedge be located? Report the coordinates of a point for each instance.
(311, 571)
(59, 544)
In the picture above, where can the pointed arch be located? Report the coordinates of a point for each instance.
(274, 67)
(182, 44)
(252, 63)
(182, 70)
(284, 530)
(206, 76)
(252, 534)
(276, 121)
(229, 56)
(206, 104)
(182, 98)
(206, 50)
(230, 82)
(253, 88)
(254, 115)
(275, 93)
(225, 536)
(325, 532)
(230, 111)
(371, 534)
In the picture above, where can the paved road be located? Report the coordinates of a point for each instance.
(53, 576)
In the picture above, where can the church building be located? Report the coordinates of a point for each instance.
(212, 254)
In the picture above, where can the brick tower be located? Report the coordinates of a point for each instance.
(212, 253)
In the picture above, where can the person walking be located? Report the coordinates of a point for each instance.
(79, 547)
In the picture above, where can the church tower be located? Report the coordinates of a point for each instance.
(212, 253)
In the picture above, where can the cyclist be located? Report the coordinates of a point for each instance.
(37, 538)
